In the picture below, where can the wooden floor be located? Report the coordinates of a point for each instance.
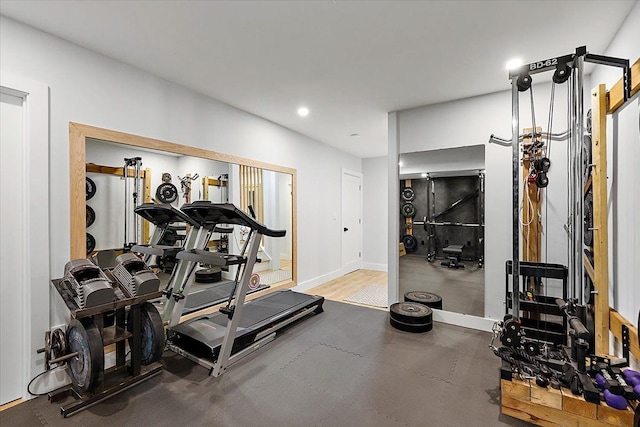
(349, 284)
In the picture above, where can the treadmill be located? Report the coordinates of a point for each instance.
(162, 216)
(216, 341)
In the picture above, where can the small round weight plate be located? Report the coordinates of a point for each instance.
(587, 296)
(84, 337)
(410, 243)
(408, 194)
(425, 298)
(411, 313)
(91, 216)
(91, 243)
(58, 343)
(91, 188)
(588, 220)
(408, 210)
(254, 281)
(167, 193)
(166, 177)
(152, 331)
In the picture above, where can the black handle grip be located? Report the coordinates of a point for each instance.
(578, 328)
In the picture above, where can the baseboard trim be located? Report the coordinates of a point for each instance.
(317, 281)
(374, 266)
(464, 320)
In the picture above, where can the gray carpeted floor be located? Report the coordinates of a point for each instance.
(462, 290)
(344, 367)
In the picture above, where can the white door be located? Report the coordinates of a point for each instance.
(12, 245)
(351, 221)
(24, 231)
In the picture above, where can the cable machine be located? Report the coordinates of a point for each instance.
(530, 348)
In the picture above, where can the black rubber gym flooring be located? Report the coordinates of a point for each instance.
(344, 367)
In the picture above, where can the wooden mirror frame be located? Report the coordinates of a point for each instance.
(78, 134)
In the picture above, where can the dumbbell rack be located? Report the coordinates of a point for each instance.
(123, 375)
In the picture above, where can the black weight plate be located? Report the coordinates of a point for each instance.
(586, 151)
(408, 210)
(91, 216)
(409, 327)
(588, 124)
(588, 220)
(410, 243)
(408, 194)
(209, 275)
(587, 296)
(152, 331)
(167, 193)
(91, 188)
(84, 337)
(91, 243)
(426, 298)
(411, 312)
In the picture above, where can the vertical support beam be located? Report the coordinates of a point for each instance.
(532, 202)
(146, 199)
(77, 204)
(515, 158)
(600, 223)
(205, 188)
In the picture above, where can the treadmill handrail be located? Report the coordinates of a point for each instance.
(206, 212)
(147, 210)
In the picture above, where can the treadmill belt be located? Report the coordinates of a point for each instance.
(212, 296)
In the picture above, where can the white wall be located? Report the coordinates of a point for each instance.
(623, 152)
(375, 218)
(92, 89)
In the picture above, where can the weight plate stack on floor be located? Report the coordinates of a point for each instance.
(152, 331)
(84, 337)
(411, 317)
(425, 298)
(209, 275)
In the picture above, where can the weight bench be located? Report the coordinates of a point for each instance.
(453, 253)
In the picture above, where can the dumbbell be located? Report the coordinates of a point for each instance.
(633, 378)
(627, 386)
(613, 391)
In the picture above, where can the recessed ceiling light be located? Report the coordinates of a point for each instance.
(303, 111)
(513, 63)
(355, 135)
(423, 174)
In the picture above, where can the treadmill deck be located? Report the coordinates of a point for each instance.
(203, 335)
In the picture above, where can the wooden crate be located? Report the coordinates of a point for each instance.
(549, 407)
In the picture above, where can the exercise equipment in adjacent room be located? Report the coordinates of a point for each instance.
(411, 317)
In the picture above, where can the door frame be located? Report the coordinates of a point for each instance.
(342, 263)
(34, 300)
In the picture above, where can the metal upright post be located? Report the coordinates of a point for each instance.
(580, 179)
(570, 189)
(515, 152)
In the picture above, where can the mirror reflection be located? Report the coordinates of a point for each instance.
(121, 177)
(442, 228)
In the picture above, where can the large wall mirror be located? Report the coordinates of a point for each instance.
(178, 174)
(442, 227)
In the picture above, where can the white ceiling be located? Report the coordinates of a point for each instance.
(349, 62)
